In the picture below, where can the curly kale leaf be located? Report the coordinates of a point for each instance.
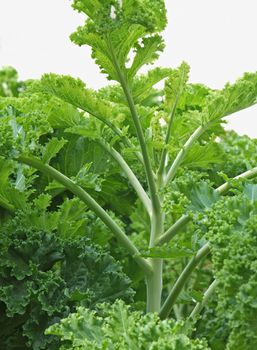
(114, 29)
(44, 277)
(120, 327)
(232, 98)
(232, 233)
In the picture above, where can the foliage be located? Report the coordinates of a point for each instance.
(45, 273)
(231, 227)
(134, 192)
(121, 328)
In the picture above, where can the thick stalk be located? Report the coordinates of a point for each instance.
(182, 153)
(154, 281)
(183, 278)
(130, 175)
(139, 131)
(92, 204)
(184, 219)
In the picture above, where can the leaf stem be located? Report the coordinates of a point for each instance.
(118, 132)
(182, 153)
(130, 175)
(92, 204)
(140, 135)
(249, 174)
(173, 230)
(199, 306)
(180, 283)
(160, 171)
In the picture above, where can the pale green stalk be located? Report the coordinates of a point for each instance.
(199, 306)
(140, 134)
(183, 278)
(92, 204)
(167, 140)
(182, 153)
(173, 230)
(154, 281)
(130, 175)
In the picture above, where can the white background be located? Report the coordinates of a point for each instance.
(216, 37)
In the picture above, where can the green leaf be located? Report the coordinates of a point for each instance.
(202, 196)
(175, 84)
(204, 156)
(42, 273)
(145, 53)
(9, 84)
(115, 28)
(231, 99)
(74, 92)
(53, 147)
(90, 331)
(143, 84)
(118, 326)
(250, 190)
(83, 131)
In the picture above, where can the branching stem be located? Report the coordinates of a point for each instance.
(140, 135)
(180, 283)
(130, 175)
(92, 204)
(199, 306)
(182, 153)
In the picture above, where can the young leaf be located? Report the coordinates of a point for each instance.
(114, 28)
(143, 84)
(175, 84)
(204, 156)
(231, 99)
(146, 52)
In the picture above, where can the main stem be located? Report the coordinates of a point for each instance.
(154, 281)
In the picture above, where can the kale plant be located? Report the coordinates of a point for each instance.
(129, 186)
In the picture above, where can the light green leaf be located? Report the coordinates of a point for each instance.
(116, 28)
(204, 156)
(146, 52)
(250, 190)
(143, 84)
(231, 99)
(175, 84)
(202, 196)
(52, 149)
